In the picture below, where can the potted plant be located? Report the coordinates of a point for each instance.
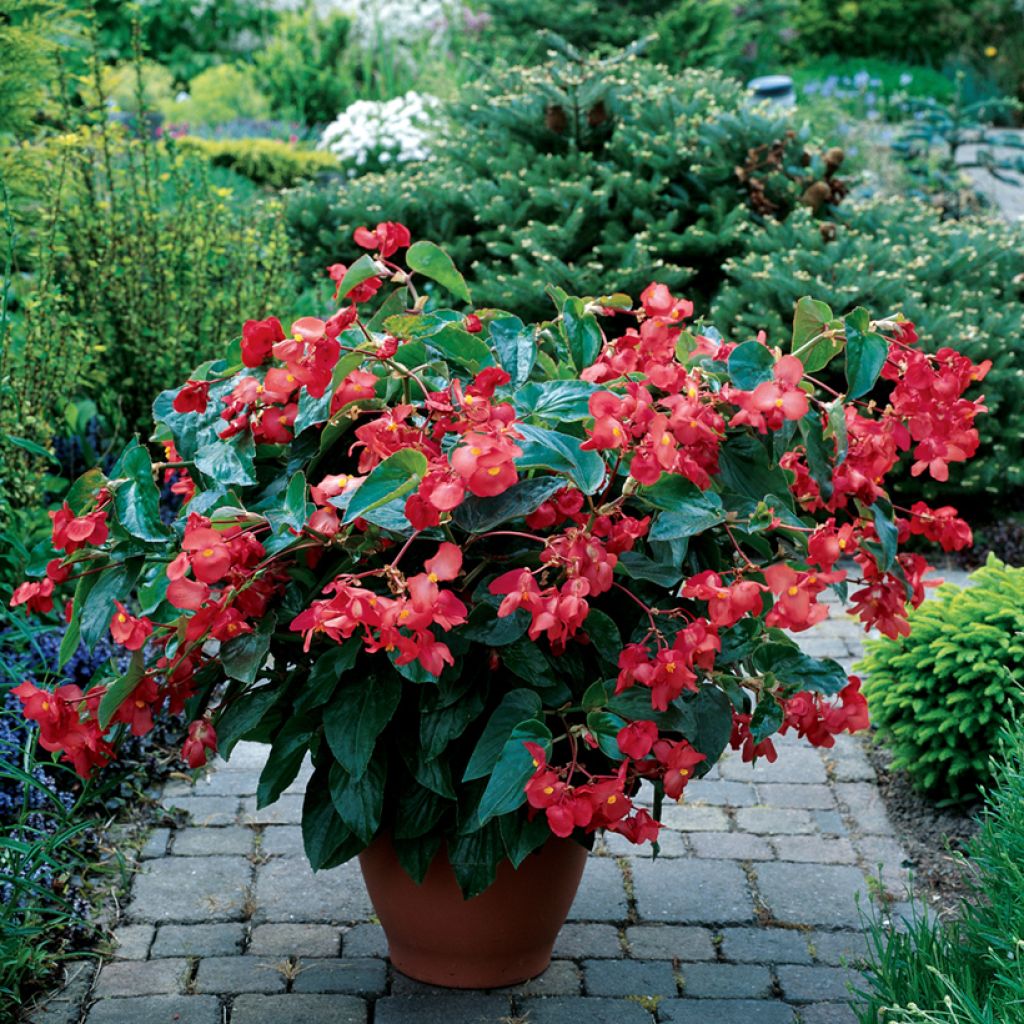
(494, 577)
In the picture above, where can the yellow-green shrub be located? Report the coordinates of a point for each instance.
(264, 161)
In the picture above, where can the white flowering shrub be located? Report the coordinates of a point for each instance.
(370, 135)
(403, 21)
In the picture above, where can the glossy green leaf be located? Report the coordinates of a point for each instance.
(516, 348)
(326, 839)
(114, 583)
(478, 515)
(136, 496)
(120, 690)
(432, 261)
(688, 519)
(751, 364)
(228, 462)
(245, 655)
(561, 452)
(475, 858)
(396, 476)
(556, 401)
(242, 715)
(284, 760)
(359, 798)
(515, 707)
(362, 270)
(745, 467)
(513, 769)
(798, 671)
(326, 674)
(605, 726)
(810, 319)
(888, 533)
(356, 716)
(583, 333)
(866, 353)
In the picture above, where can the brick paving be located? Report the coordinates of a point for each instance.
(749, 915)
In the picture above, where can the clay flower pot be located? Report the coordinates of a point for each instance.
(501, 937)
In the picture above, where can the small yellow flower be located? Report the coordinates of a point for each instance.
(991, 51)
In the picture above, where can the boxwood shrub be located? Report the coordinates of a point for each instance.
(941, 695)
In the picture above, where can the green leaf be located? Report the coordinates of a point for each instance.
(242, 715)
(432, 261)
(506, 787)
(416, 855)
(525, 659)
(809, 320)
(672, 492)
(362, 270)
(244, 656)
(557, 401)
(324, 677)
(484, 626)
(453, 342)
(475, 858)
(113, 583)
(515, 707)
(478, 515)
(284, 761)
(82, 492)
(397, 475)
(119, 691)
(357, 715)
(359, 798)
(521, 835)
(441, 724)
(516, 348)
(326, 839)
(582, 332)
(767, 718)
(604, 635)
(866, 353)
(136, 496)
(561, 453)
(32, 448)
(819, 454)
(708, 720)
(688, 518)
(418, 810)
(888, 533)
(745, 468)
(295, 511)
(228, 462)
(640, 567)
(605, 726)
(798, 671)
(751, 364)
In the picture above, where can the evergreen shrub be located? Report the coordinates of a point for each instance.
(962, 282)
(588, 174)
(941, 695)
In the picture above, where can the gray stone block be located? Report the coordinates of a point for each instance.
(726, 981)
(837, 948)
(225, 975)
(866, 807)
(141, 978)
(809, 849)
(829, 822)
(795, 764)
(765, 945)
(287, 810)
(670, 942)
(365, 940)
(464, 1007)
(579, 941)
(132, 941)
(246, 756)
(365, 977)
(562, 978)
(288, 890)
(690, 817)
(298, 1009)
(574, 1011)
(628, 978)
(706, 892)
(300, 940)
(199, 939)
(730, 846)
(205, 811)
(157, 1010)
(811, 797)
(814, 984)
(155, 844)
(671, 844)
(282, 841)
(227, 783)
(774, 821)
(725, 1011)
(190, 889)
(828, 1013)
(601, 895)
(204, 842)
(719, 793)
(816, 894)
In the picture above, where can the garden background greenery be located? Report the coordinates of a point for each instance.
(172, 168)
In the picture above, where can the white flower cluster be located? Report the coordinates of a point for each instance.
(372, 131)
(377, 22)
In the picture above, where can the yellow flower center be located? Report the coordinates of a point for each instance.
(494, 471)
(793, 591)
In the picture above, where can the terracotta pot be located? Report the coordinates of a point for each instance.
(501, 937)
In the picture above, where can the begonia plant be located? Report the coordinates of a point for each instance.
(491, 576)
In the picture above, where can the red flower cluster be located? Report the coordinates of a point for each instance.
(819, 722)
(669, 670)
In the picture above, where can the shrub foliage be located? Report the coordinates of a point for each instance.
(941, 695)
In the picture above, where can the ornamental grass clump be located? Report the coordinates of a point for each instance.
(493, 575)
(942, 695)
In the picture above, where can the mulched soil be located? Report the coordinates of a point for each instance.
(933, 836)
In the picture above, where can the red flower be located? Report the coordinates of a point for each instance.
(772, 402)
(640, 828)
(941, 525)
(796, 607)
(472, 323)
(726, 605)
(202, 738)
(36, 595)
(658, 301)
(636, 739)
(258, 338)
(486, 464)
(192, 397)
(387, 238)
(137, 710)
(678, 760)
(827, 544)
(71, 532)
(361, 293)
(128, 631)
